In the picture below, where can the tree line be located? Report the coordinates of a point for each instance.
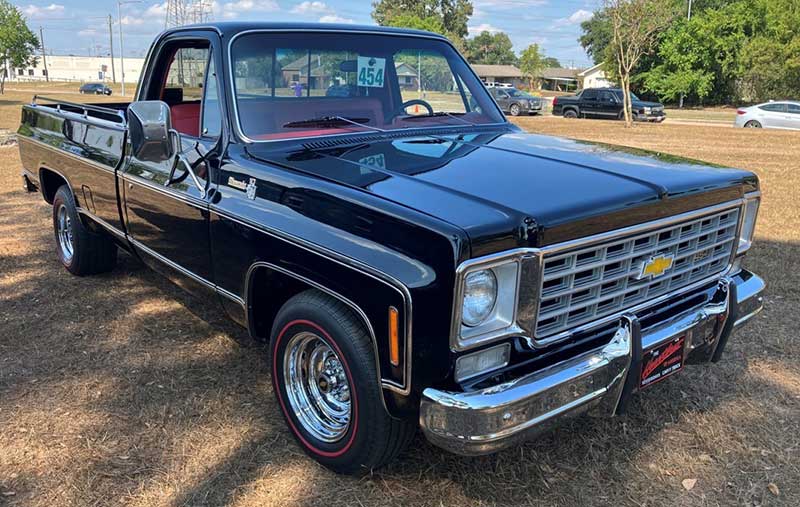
(727, 51)
(450, 18)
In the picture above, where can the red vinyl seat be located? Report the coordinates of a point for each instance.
(186, 118)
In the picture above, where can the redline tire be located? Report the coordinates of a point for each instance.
(372, 437)
(80, 250)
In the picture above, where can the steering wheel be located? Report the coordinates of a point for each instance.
(416, 102)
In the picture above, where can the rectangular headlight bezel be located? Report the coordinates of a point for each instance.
(504, 321)
(749, 218)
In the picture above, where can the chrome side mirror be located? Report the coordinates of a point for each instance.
(150, 130)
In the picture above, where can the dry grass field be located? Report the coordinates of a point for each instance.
(120, 390)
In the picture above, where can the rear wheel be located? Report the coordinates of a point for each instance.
(753, 124)
(570, 113)
(80, 250)
(326, 383)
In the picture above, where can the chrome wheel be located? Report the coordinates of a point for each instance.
(317, 387)
(64, 231)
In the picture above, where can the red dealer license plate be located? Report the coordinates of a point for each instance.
(661, 362)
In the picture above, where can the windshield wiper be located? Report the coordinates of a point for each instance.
(439, 114)
(327, 121)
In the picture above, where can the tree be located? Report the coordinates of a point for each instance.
(636, 26)
(550, 62)
(430, 24)
(453, 14)
(490, 49)
(531, 63)
(597, 34)
(17, 42)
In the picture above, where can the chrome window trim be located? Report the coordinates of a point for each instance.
(229, 64)
(535, 258)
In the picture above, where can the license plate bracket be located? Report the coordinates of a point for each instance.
(662, 361)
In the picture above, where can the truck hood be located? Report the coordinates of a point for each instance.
(644, 103)
(511, 189)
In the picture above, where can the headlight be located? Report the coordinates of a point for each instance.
(480, 296)
(486, 301)
(647, 110)
(748, 224)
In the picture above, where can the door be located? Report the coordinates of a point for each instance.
(166, 203)
(608, 104)
(773, 115)
(590, 103)
(793, 116)
(503, 100)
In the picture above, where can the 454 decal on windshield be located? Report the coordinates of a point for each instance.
(371, 71)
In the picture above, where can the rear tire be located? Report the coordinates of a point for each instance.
(325, 380)
(753, 124)
(80, 250)
(570, 113)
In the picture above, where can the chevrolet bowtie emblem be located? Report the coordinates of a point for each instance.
(656, 266)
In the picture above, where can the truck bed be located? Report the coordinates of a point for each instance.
(81, 143)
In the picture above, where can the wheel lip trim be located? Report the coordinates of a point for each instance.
(64, 233)
(353, 394)
(327, 420)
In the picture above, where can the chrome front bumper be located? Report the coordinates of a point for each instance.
(599, 382)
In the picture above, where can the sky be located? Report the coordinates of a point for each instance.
(80, 27)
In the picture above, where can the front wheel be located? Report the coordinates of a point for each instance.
(326, 383)
(514, 110)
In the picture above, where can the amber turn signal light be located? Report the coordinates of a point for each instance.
(394, 340)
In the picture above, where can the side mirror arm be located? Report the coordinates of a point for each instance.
(180, 159)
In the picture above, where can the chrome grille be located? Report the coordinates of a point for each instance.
(588, 283)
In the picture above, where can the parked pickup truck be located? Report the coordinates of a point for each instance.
(409, 263)
(606, 103)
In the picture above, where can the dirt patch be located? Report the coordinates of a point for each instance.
(121, 390)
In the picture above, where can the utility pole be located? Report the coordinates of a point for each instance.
(121, 41)
(689, 17)
(111, 45)
(44, 55)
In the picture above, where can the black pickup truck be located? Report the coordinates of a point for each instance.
(409, 262)
(606, 103)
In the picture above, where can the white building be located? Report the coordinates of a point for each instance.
(595, 77)
(79, 69)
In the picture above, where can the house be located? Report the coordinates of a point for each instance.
(407, 76)
(558, 79)
(595, 77)
(501, 74)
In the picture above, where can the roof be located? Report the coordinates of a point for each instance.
(559, 73)
(497, 70)
(590, 70)
(230, 28)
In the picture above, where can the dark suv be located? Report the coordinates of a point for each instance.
(606, 103)
(516, 102)
(95, 88)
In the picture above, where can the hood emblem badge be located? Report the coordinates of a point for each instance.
(251, 189)
(656, 266)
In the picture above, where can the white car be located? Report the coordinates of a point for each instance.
(771, 115)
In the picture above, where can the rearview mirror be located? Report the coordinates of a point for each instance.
(149, 127)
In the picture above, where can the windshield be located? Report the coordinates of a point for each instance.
(618, 93)
(303, 85)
